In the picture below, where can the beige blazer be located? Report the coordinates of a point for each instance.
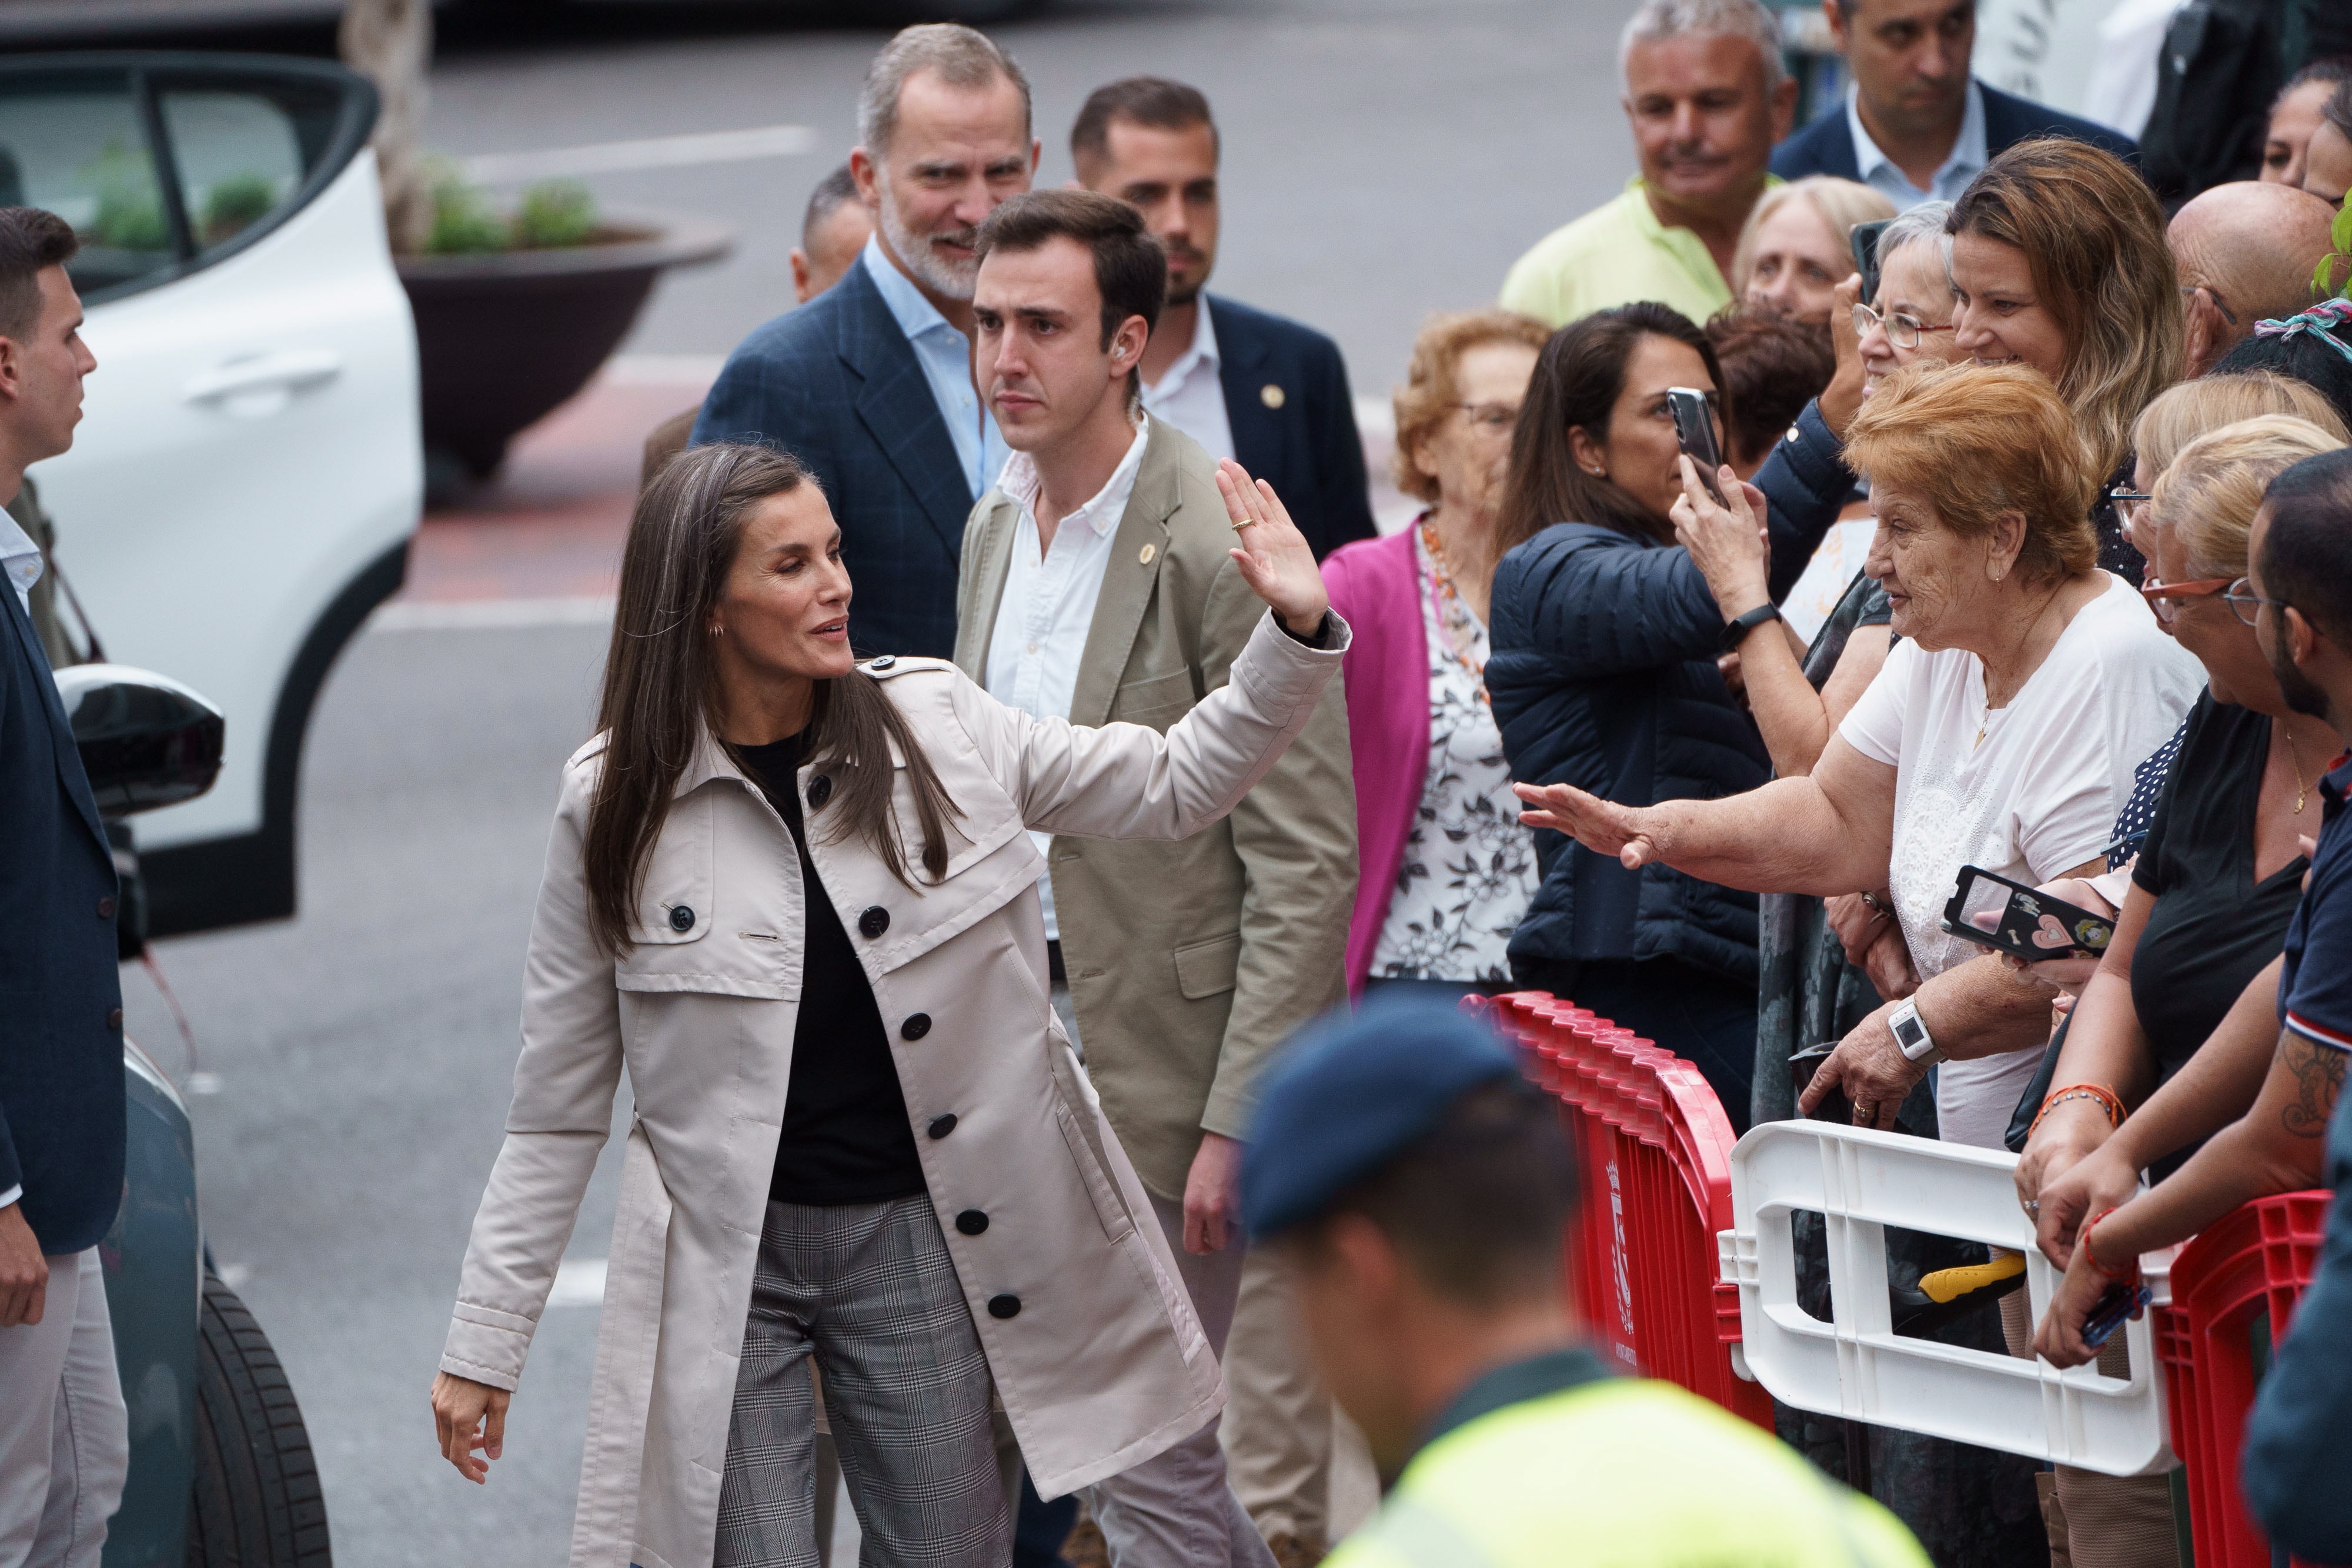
(1104, 1364)
(1188, 961)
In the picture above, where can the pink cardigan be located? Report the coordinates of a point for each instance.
(1375, 586)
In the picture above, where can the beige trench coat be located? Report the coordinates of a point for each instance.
(1104, 1364)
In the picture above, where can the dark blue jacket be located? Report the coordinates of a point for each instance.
(2302, 1424)
(1826, 146)
(1603, 675)
(836, 384)
(1293, 420)
(60, 1000)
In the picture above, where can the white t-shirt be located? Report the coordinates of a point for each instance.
(2035, 798)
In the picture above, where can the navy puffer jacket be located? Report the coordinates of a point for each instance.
(1603, 675)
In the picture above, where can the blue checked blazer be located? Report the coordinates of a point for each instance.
(836, 384)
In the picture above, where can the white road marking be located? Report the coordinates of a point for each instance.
(649, 153)
(579, 1282)
(488, 614)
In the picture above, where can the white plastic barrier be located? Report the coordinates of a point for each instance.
(1855, 1366)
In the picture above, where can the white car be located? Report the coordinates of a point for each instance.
(248, 472)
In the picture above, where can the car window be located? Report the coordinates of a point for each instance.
(240, 153)
(77, 146)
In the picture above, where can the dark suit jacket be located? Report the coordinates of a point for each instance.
(61, 1122)
(1294, 422)
(1826, 146)
(836, 384)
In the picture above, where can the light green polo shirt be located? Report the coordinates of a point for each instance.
(1614, 255)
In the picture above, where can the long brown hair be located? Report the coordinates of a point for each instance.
(1578, 378)
(2094, 241)
(661, 686)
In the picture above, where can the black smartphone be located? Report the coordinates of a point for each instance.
(2009, 917)
(1834, 1106)
(1864, 240)
(2111, 1311)
(1695, 433)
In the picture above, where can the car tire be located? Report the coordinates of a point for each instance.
(255, 1501)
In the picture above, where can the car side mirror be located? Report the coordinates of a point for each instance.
(145, 741)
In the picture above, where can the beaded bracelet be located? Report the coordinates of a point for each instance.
(2129, 1271)
(2105, 1096)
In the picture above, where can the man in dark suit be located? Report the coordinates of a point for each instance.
(1246, 384)
(64, 1438)
(870, 384)
(1915, 126)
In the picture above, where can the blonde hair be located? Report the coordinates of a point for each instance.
(1976, 441)
(2093, 242)
(1430, 390)
(1841, 204)
(2208, 495)
(2181, 413)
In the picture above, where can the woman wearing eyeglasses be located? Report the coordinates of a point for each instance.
(1447, 870)
(2177, 1025)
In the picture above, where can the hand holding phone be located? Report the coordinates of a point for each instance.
(2022, 921)
(1695, 433)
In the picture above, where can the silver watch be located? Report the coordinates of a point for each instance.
(1911, 1034)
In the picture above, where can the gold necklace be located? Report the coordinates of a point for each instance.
(2295, 763)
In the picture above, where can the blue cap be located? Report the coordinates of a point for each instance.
(1350, 1093)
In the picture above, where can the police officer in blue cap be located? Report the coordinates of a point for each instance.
(1424, 1189)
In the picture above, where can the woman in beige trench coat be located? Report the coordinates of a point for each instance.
(731, 631)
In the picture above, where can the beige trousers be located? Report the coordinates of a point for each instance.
(1297, 1463)
(2104, 1521)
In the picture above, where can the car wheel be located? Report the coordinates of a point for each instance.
(256, 1503)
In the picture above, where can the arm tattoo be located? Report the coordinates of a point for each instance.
(2318, 1076)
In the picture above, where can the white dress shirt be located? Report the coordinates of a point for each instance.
(1192, 395)
(945, 355)
(1048, 604)
(1879, 173)
(20, 562)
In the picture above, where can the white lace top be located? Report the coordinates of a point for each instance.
(1469, 867)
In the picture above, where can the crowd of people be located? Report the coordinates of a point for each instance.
(1038, 832)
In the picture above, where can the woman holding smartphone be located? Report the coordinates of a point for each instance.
(1603, 674)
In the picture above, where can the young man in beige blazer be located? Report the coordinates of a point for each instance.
(1096, 585)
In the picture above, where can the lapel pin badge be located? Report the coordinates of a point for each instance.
(1149, 551)
(1271, 396)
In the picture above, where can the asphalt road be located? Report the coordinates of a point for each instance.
(1383, 159)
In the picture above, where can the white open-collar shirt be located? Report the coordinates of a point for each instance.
(1048, 606)
(1191, 394)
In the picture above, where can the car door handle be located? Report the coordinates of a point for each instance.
(288, 371)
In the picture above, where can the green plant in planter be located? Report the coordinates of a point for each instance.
(235, 204)
(552, 214)
(130, 213)
(555, 214)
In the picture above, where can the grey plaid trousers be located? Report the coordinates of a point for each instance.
(869, 1290)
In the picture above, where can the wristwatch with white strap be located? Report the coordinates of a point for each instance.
(1911, 1036)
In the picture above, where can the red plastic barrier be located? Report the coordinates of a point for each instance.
(1655, 1148)
(2255, 1260)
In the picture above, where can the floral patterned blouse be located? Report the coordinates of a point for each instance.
(1469, 867)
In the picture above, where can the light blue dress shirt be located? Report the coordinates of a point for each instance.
(1879, 173)
(945, 355)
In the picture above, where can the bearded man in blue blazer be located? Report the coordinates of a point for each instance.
(1246, 384)
(1915, 126)
(869, 384)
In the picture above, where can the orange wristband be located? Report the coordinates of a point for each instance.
(2106, 1099)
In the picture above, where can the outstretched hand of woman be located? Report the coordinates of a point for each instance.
(1601, 826)
(1726, 538)
(1275, 558)
(468, 1416)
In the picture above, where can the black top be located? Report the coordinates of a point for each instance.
(847, 1138)
(2214, 926)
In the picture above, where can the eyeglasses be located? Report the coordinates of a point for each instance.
(2128, 502)
(1494, 418)
(1903, 330)
(2193, 289)
(2247, 604)
(2165, 598)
